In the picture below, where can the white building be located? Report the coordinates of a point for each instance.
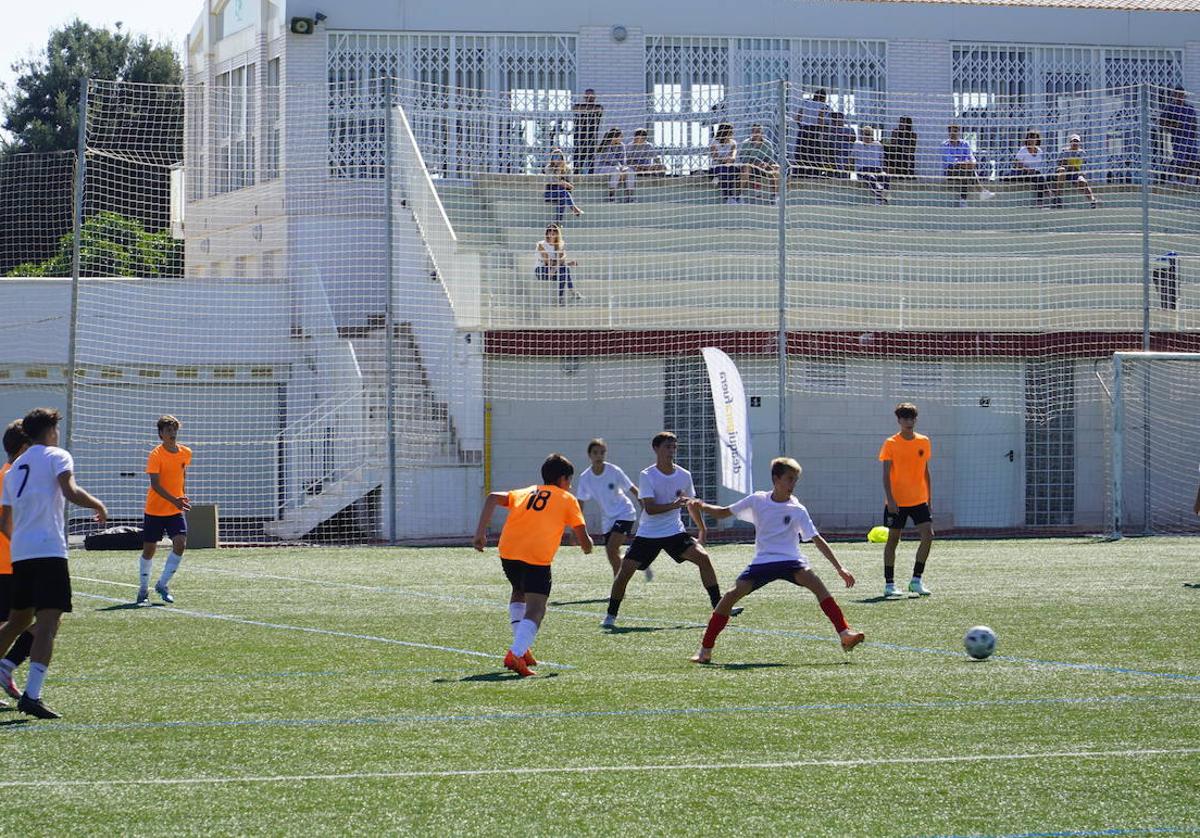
(288, 172)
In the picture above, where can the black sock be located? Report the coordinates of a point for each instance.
(889, 574)
(918, 568)
(614, 605)
(714, 593)
(20, 649)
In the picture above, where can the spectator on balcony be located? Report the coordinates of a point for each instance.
(1071, 163)
(553, 265)
(586, 116)
(900, 151)
(1029, 167)
(868, 163)
(958, 165)
(643, 157)
(756, 159)
(612, 161)
(839, 146)
(559, 186)
(723, 162)
(812, 121)
(1178, 119)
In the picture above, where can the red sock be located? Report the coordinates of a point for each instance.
(834, 613)
(715, 623)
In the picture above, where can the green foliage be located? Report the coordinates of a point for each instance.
(112, 245)
(43, 111)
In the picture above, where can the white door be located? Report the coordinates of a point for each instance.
(989, 467)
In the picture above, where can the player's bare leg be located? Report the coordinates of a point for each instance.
(145, 566)
(698, 556)
(519, 658)
(612, 549)
(720, 617)
(916, 586)
(617, 593)
(849, 637)
(889, 562)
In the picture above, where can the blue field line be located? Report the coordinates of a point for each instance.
(796, 635)
(646, 712)
(312, 630)
(1087, 833)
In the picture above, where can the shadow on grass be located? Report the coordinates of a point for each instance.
(14, 722)
(645, 629)
(1191, 584)
(872, 600)
(579, 601)
(493, 678)
(129, 606)
(738, 667)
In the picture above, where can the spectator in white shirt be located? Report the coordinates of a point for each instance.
(867, 160)
(1030, 166)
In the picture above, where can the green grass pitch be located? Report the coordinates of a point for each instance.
(335, 691)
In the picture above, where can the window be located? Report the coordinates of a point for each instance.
(271, 109)
(234, 103)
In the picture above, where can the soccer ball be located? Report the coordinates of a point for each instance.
(980, 642)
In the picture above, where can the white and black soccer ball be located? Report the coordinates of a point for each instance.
(980, 642)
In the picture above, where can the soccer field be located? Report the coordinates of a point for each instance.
(360, 690)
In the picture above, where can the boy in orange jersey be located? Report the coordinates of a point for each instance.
(166, 501)
(15, 443)
(908, 494)
(528, 542)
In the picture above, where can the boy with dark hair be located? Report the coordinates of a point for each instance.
(608, 485)
(166, 501)
(528, 542)
(908, 494)
(780, 521)
(32, 516)
(15, 443)
(663, 489)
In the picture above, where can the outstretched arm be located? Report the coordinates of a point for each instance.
(821, 544)
(485, 517)
(699, 507)
(72, 492)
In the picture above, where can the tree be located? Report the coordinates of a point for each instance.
(42, 113)
(112, 245)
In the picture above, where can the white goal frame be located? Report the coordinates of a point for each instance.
(1119, 441)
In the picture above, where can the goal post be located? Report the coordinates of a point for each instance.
(1154, 445)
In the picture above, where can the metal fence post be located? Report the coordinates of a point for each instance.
(76, 247)
(781, 335)
(390, 306)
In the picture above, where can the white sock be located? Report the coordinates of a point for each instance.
(523, 637)
(144, 567)
(516, 613)
(172, 565)
(33, 684)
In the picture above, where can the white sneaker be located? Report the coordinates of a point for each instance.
(916, 586)
(986, 195)
(649, 573)
(608, 622)
(889, 590)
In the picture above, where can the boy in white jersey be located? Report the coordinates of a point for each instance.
(779, 522)
(609, 486)
(663, 489)
(31, 514)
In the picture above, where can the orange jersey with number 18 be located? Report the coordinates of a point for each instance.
(537, 516)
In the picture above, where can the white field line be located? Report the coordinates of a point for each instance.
(306, 629)
(864, 762)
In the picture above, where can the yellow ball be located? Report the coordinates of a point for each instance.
(877, 535)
